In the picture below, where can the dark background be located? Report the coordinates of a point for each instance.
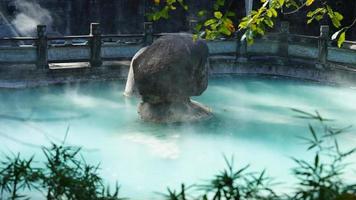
(72, 17)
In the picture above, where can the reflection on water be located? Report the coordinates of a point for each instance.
(165, 148)
(252, 121)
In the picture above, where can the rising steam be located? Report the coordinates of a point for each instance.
(30, 14)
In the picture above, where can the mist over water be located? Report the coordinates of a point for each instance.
(252, 121)
(30, 14)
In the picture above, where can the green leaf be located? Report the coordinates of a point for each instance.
(341, 39)
(335, 22)
(218, 14)
(274, 12)
(209, 22)
(198, 27)
(319, 17)
(316, 160)
(281, 2)
(310, 14)
(309, 2)
(338, 16)
(269, 23)
(260, 31)
(224, 30)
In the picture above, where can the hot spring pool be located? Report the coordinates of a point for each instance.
(252, 121)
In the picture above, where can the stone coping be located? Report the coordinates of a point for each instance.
(23, 76)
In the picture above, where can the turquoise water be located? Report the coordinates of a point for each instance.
(252, 121)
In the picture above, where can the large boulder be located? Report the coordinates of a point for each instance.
(167, 73)
(174, 66)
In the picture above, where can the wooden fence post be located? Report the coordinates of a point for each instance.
(42, 50)
(95, 45)
(148, 34)
(323, 46)
(283, 39)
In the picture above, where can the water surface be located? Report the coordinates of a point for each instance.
(252, 121)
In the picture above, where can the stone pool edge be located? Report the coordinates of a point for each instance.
(28, 76)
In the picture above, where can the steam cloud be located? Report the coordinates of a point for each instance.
(30, 14)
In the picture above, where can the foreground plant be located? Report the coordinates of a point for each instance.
(229, 184)
(64, 176)
(17, 174)
(181, 194)
(318, 179)
(322, 178)
(232, 184)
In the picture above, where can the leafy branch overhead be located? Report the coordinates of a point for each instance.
(217, 23)
(164, 8)
(220, 21)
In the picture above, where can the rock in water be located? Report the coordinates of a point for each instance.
(167, 73)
